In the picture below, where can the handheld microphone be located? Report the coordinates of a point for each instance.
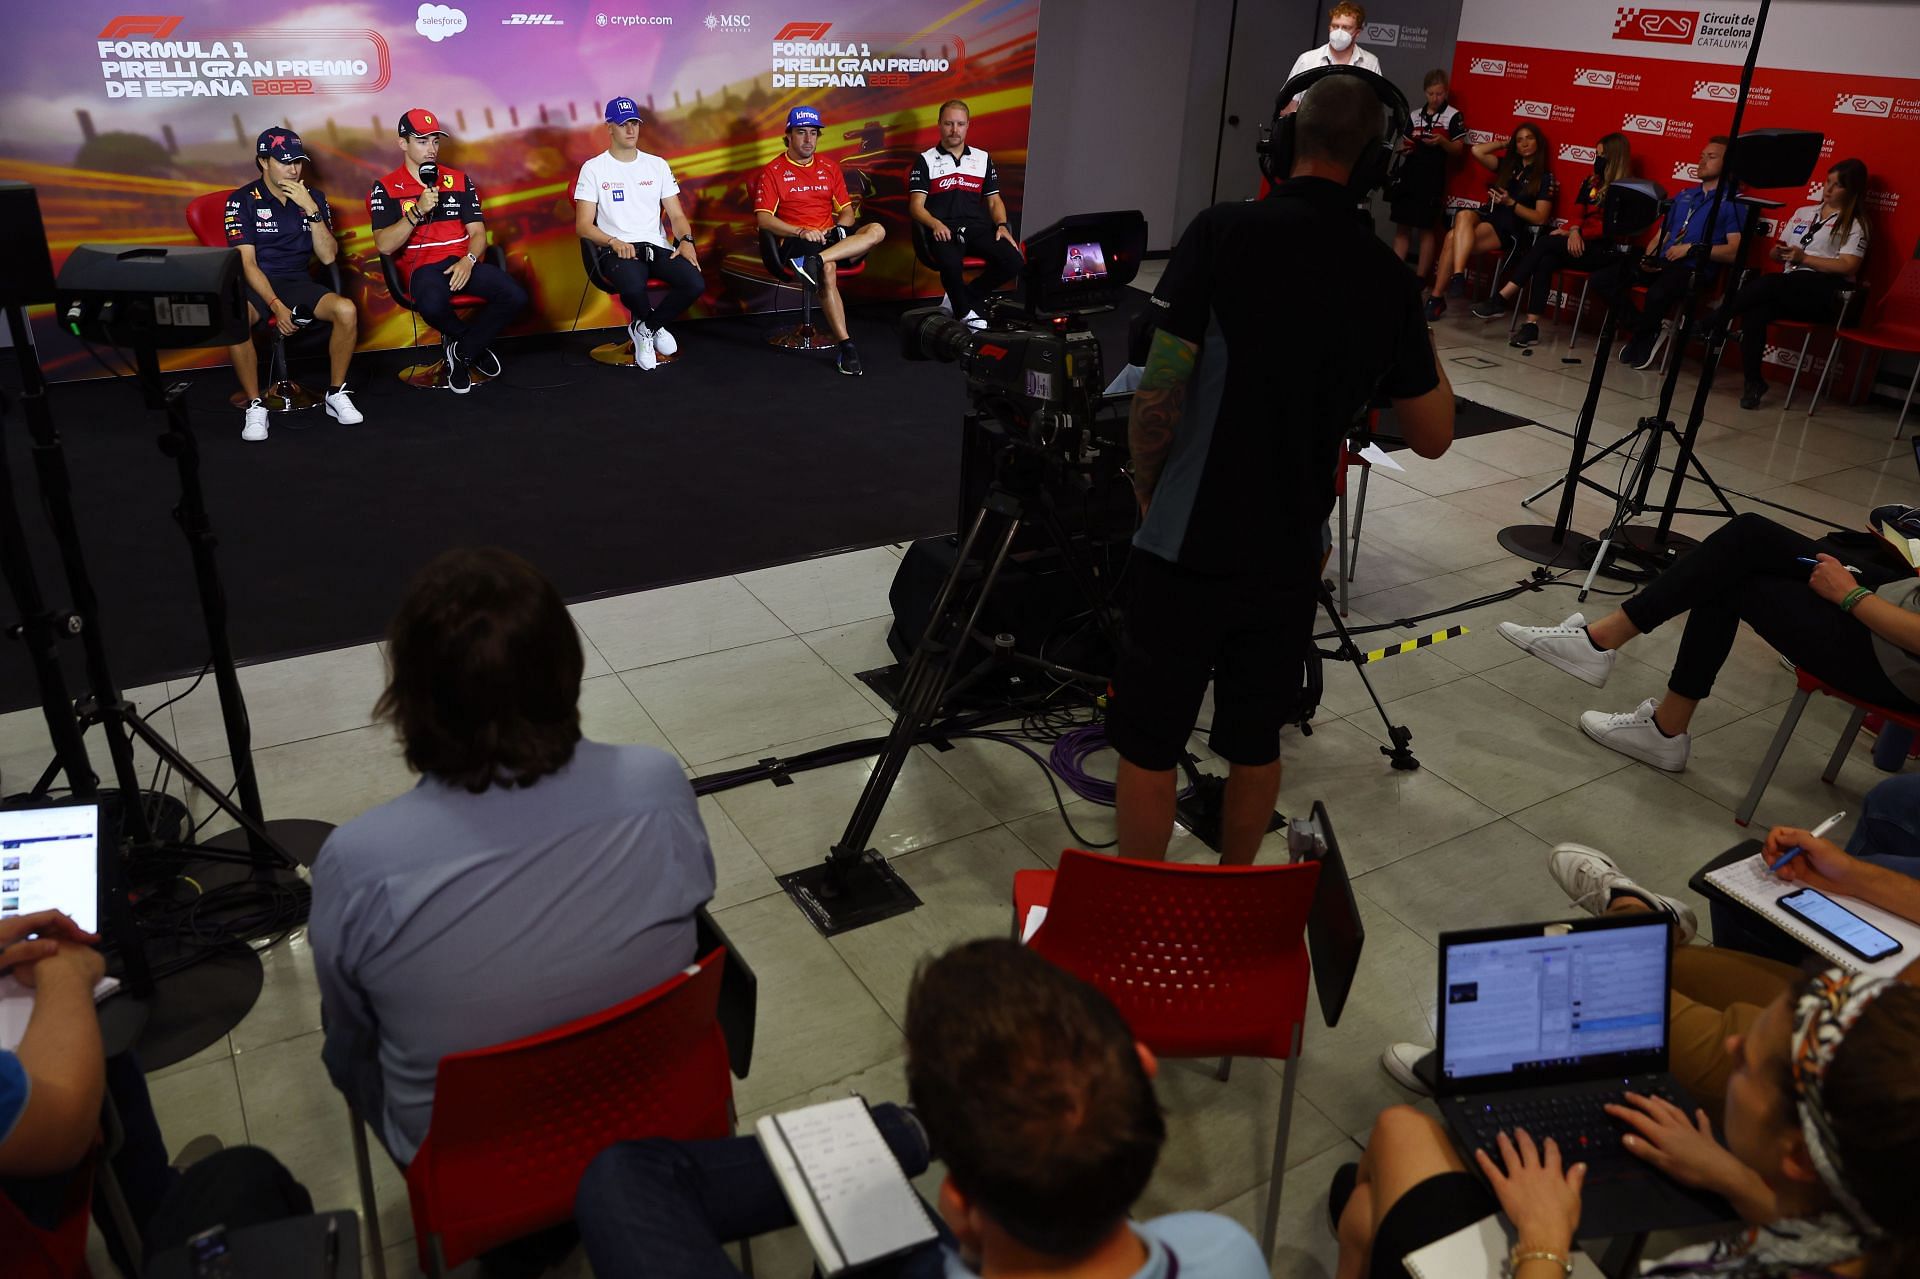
(302, 315)
(429, 174)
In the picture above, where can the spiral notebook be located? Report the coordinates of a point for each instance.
(1747, 882)
(1483, 1250)
(847, 1190)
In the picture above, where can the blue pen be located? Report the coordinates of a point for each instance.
(1796, 850)
(1811, 562)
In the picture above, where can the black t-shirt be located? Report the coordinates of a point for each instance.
(956, 187)
(1301, 315)
(277, 229)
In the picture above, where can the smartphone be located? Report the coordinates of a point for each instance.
(1830, 918)
(208, 1255)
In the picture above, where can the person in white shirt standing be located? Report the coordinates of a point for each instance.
(1823, 246)
(1342, 48)
(617, 205)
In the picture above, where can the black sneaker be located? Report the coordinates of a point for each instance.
(1529, 334)
(1492, 309)
(849, 360)
(1753, 393)
(457, 380)
(1436, 307)
(809, 269)
(486, 364)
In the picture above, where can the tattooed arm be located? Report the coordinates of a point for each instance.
(1157, 407)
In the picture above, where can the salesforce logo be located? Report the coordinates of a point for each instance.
(438, 21)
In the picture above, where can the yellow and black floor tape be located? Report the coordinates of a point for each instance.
(1392, 650)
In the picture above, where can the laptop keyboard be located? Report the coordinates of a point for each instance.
(1575, 1121)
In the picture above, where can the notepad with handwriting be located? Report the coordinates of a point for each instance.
(1483, 1250)
(1748, 882)
(847, 1190)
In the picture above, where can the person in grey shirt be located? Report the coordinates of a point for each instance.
(531, 878)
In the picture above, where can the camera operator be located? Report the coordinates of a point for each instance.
(1277, 322)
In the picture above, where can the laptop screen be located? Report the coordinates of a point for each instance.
(1581, 1002)
(50, 860)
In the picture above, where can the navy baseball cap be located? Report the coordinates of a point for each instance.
(621, 110)
(803, 118)
(421, 123)
(282, 144)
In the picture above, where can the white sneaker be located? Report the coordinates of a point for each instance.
(1591, 879)
(256, 428)
(1565, 646)
(1659, 345)
(973, 321)
(664, 344)
(1634, 734)
(642, 346)
(340, 407)
(1399, 1060)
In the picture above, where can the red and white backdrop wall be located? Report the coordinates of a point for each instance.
(1668, 77)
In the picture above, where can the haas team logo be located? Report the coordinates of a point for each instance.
(1662, 26)
(1594, 79)
(1863, 104)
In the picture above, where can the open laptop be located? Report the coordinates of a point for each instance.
(50, 860)
(1540, 1026)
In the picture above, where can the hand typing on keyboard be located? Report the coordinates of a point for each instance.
(1540, 1196)
(1687, 1151)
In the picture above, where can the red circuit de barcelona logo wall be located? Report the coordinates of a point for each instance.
(1661, 26)
(1874, 104)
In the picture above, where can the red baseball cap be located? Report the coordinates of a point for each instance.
(421, 123)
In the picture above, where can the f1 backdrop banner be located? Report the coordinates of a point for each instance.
(121, 119)
(1668, 78)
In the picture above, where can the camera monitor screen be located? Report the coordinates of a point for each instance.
(1084, 262)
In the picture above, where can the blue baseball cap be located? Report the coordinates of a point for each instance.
(803, 118)
(621, 110)
(283, 145)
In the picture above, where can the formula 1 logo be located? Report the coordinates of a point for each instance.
(134, 24)
(1661, 26)
(1487, 66)
(1862, 104)
(1686, 171)
(1527, 109)
(1593, 79)
(1578, 155)
(532, 20)
(804, 31)
(1653, 125)
(1715, 91)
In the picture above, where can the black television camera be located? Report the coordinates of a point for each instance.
(1036, 368)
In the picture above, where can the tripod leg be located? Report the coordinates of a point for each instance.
(1400, 752)
(1359, 518)
(1345, 577)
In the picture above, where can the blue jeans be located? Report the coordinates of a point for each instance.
(1888, 834)
(664, 1208)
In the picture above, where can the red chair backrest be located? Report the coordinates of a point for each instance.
(207, 218)
(1202, 961)
(514, 1126)
(1900, 304)
(28, 1252)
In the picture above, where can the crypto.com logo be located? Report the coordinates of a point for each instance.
(1656, 125)
(1578, 155)
(136, 24)
(1527, 109)
(1862, 104)
(804, 31)
(1593, 79)
(1662, 26)
(438, 22)
(1487, 66)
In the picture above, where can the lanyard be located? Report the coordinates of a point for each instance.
(1814, 230)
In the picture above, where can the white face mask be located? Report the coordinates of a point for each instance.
(1340, 38)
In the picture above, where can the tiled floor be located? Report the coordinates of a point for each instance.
(728, 671)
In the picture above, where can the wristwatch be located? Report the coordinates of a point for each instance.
(685, 239)
(471, 258)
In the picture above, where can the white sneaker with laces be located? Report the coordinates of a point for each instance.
(1399, 1060)
(1592, 880)
(973, 321)
(340, 408)
(256, 428)
(643, 354)
(1565, 646)
(1659, 345)
(1634, 734)
(664, 344)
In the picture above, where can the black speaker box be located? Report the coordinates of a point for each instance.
(26, 267)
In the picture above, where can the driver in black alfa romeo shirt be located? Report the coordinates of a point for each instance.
(955, 194)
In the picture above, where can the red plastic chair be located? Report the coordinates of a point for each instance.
(515, 1126)
(1809, 684)
(433, 376)
(1893, 324)
(28, 1252)
(1202, 961)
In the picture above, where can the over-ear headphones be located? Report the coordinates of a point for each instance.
(1377, 160)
